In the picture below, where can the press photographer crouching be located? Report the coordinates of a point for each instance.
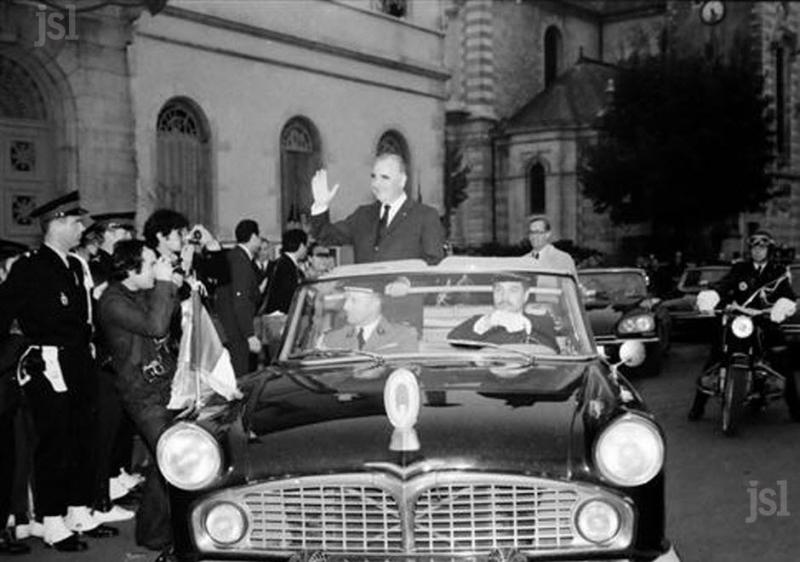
(135, 313)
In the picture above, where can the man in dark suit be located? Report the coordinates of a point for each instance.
(238, 300)
(287, 273)
(393, 228)
(110, 229)
(45, 293)
(759, 283)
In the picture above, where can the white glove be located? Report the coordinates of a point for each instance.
(254, 344)
(707, 300)
(512, 322)
(782, 309)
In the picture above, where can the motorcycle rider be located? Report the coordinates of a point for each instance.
(767, 279)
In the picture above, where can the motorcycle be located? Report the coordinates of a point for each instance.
(743, 376)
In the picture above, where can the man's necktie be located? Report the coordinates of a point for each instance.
(535, 255)
(383, 223)
(360, 338)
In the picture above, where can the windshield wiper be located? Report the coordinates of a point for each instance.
(529, 357)
(336, 352)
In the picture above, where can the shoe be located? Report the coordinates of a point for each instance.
(116, 513)
(79, 519)
(102, 532)
(116, 489)
(10, 545)
(130, 481)
(70, 544)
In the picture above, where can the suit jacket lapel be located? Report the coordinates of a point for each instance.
(402, 214)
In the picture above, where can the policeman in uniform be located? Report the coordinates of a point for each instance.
(767, 280)
(46, 294)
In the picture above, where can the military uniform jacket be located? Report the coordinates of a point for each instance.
(743, 280)
(414, 233)
(385, 338)
(542, 331)
(237, 300)
(48, 299)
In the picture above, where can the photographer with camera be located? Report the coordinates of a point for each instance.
(135, 313)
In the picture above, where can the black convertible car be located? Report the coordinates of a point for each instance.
(421, 446)
(620, 308)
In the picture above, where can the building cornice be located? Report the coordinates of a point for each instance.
(418, 69)
(441, 95)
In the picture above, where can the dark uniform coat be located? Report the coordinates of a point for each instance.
(743, 280)
(236, 305)
(414, 233)
(50, 302)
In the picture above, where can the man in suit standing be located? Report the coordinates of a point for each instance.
(392, 228)
(238, 300)
(287, 273)
(367, 329)
(542, 252)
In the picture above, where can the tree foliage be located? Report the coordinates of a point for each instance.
(686, 143)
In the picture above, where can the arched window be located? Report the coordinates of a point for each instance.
(183, 161)
(536, 190)
(552, 54)
(392, 142)
(300, 159)
(27, 139)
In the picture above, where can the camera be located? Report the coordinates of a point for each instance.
(195, 236)
(177, 266)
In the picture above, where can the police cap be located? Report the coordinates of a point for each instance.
(63, 206)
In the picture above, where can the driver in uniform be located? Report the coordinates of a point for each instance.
(508, 323)
(767, 279)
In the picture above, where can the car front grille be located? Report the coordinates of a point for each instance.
(435, 514)
(333, 518)
(480, 518)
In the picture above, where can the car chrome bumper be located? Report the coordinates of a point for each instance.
(669, 556)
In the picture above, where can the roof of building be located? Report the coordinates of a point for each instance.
(573, 99)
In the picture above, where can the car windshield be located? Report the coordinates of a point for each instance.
(702, 277)
(436, 313)
(795, 273)
(613, 285)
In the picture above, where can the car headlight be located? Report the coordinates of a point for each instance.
(225, 523)
(630, 451)
(742, 326)
(638, 323)
(597, 521)
(189, 457)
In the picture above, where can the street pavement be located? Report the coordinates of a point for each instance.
(710, 480)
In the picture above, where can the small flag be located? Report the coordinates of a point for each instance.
(204, 365)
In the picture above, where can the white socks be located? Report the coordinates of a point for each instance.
(55, 529)
(79, 519)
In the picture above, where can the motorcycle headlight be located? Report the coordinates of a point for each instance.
(225, 523)
(630, 451)
(597, 521)
(637, 324)
(189, 457)
(742, 326)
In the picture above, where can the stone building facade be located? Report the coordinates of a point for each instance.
(222, 110)
(530, 78)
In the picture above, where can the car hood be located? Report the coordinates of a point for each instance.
(604, 315)
(489, 418)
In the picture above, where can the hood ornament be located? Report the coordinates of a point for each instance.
(401, 398)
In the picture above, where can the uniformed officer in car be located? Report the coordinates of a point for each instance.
(45, 293)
